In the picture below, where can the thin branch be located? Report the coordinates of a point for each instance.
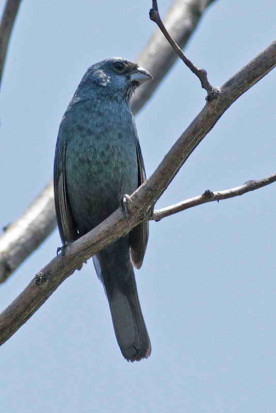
(20, 237)
(158, 57)
(210, 196)
(182, 19)
(200, 73)
(6, 25)
(115, 226)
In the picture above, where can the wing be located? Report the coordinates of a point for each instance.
(67, 228)
(140, 234)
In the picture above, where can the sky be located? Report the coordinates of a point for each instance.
(208, 283)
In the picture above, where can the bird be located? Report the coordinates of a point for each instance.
(98, 160)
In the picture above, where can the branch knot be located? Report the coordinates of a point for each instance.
(42, 278)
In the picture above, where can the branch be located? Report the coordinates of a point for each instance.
(143, 199)
(6, 25)
(200, 73)
(206, 120)
(158, 57)
(21, 237)
(182, 20)
(210, 196)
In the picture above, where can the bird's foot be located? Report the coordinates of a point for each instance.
(125, 201)
(62, 250)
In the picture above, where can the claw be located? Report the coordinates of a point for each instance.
(125, 201)
(62, 250)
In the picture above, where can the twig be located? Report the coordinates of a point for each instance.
(158, 57)
(210, 196)
(182, 19)
(6, 25)
(212, 92)
(115, 226)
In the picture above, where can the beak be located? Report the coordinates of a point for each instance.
(140, 75)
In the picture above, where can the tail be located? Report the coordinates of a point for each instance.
(121, 291)
(128, 321)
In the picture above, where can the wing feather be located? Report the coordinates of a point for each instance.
(66, 225)
(140, 234)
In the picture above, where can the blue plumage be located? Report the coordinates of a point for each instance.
(98, 160)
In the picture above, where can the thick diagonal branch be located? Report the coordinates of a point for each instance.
(158, 57)
(115, 226)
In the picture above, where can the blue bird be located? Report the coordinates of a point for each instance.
(98, 159)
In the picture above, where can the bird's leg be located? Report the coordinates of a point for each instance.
(62, 250)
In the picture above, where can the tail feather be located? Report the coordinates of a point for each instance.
(128, 322)
(120, 286)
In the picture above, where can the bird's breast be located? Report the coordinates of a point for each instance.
(101, 164)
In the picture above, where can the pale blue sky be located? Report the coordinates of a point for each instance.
(208, 284)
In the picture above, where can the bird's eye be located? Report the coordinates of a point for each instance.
(119, 66)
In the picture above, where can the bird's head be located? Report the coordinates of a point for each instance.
(116, 76)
